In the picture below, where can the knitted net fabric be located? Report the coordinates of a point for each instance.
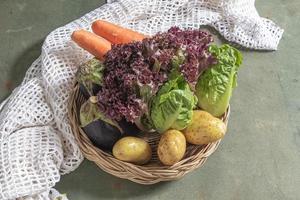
(36, 141)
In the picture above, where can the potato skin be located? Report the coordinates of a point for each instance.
(171, 147)
(132, 149)
(204, 128)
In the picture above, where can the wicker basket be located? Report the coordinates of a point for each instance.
(151, 173)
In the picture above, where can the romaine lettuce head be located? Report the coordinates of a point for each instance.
(173, 105)
(214, 87)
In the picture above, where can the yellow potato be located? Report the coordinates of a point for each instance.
(171, 147)
(204, 128)
(132, 149)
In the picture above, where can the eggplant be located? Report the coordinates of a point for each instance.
(102, 134)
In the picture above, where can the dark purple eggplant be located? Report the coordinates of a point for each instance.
(102, 131)
(102, 134)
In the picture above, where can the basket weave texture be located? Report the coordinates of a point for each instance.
(151, 173)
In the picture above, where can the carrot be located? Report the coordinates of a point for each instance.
(114, 33)
(91, 42)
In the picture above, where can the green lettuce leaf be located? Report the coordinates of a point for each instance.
(172, 107)
(214, 87)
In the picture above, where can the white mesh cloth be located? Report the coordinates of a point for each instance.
(36, 142)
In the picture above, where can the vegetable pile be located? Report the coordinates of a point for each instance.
(140, 83)
(134, 72)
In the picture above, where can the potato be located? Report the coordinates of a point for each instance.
(132, 149)
(171, 147)
(204, 128)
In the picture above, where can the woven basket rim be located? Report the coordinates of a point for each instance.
(142, 174)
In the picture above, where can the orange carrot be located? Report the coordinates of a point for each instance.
(91, 42)
(114, 33)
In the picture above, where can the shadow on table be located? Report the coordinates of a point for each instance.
(20, 66)
(90, 182)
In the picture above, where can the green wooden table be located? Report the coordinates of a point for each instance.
(259, 157)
